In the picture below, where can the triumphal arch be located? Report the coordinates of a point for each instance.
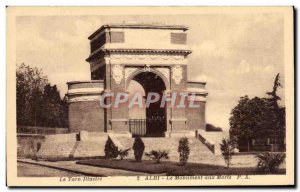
(126, 59)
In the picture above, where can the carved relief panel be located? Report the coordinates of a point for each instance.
(177, 74)
(117, 73)
(165, 71)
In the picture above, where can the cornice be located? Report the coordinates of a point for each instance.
(122, 50)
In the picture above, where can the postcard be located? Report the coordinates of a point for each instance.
(150, 96)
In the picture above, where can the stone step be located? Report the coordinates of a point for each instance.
(198, 150)
(65, 146)
(90, 149)
(92, 145)
(55, 150)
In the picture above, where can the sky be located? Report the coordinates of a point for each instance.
(236, 54)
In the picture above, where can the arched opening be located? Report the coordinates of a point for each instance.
(135, 112)
(147, 121)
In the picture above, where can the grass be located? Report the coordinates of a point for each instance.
(171, 168)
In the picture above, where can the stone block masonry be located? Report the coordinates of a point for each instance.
(156, 57)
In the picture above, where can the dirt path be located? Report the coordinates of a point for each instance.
(31, 170)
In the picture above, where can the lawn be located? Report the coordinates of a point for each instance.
(171, 168)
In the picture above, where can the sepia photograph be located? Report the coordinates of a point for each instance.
(150, 96)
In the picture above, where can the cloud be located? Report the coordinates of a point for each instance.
(201, 77)
(244, 67)
(211, 48)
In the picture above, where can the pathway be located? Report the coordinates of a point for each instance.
(71, 166)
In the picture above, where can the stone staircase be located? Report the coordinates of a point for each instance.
(55, 150)
(65, 146)
(198, 151)
(90, 145)
(90, 148)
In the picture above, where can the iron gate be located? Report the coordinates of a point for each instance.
(137, 127)
(147, 127)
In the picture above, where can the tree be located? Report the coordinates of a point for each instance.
(110, 149)
(227, 149)
(258, 118)
(277, 113)
(29, 89)
(184, 150)
(64, 112)
(247, 120)
(55, 111)
(39, 103)
(274, 98)
(138, 148)
(211, 128)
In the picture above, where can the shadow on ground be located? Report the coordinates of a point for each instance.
(172, 168)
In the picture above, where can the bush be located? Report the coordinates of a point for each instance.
(138, 148)
(212, 128)
(158, 155)
(123, 153)
(268, 162)
(111, 150)
(184, 150)
(227, 149)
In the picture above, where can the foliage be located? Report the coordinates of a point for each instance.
(212, 128)
(277, 115)
(247, 119)
(138, 147)
(269, 163)
(274, 98)
(38, 103)
(258, 118)
(110, 149)
(184, 150)
(157, 156)
(227, 149)
(54, 109)
(29, 88)
(123, 153)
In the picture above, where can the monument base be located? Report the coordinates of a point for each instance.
(183, 133)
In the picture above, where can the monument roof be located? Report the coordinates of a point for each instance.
(138, 26)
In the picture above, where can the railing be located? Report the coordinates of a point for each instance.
(150, 127)
(40, 130)
(137, 127)
(209, 145)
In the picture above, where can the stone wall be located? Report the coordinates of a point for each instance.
(85, 113)
(86, 116)
(28, 145)
(196, 117)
